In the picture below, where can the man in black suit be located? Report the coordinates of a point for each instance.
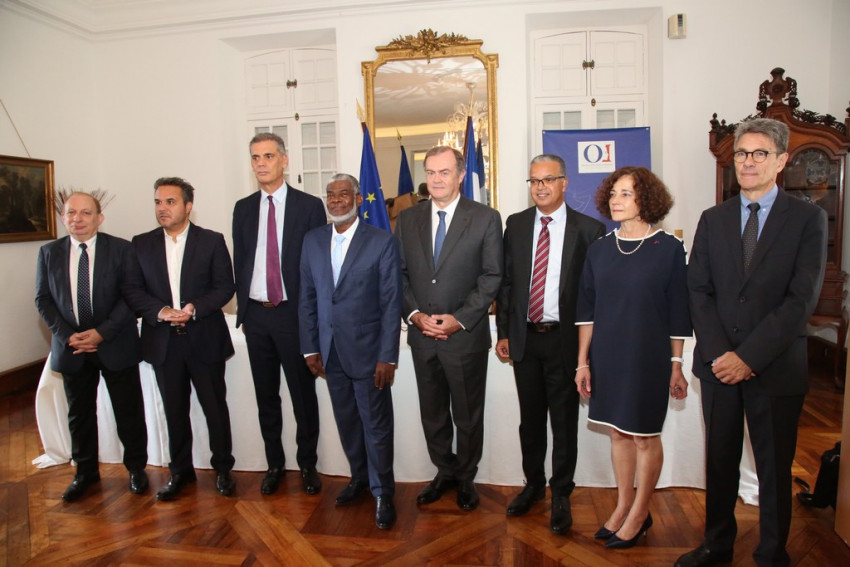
(350, 316)
(451, 252)
(180, 279)
(754, 277)
(78, 294)
(541, 338)
(267, 288)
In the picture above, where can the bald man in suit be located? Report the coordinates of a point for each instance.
(78, 294)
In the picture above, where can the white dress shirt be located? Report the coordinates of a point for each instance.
(258, 289)
(174, 249)
(557, 227)
(73, 268)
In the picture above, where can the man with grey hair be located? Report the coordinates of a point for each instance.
(268, 230)
(350, 320)
(754, 278)
(537, 309)
(451, 250)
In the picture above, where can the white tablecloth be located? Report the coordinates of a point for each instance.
(682, 437)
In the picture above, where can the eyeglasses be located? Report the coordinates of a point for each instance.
(547, 181)
(758, 155)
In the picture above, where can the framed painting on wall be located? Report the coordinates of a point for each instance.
(26, 199)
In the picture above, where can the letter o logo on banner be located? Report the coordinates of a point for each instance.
(597, 151)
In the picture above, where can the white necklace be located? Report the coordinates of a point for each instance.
(617, 240)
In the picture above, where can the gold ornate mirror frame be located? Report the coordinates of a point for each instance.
(427, 44)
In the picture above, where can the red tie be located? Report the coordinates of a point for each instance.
(538, 276)
(274, 288)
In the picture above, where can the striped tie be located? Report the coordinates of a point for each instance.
(538, 276)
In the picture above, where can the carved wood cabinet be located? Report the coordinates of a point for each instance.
(815, 172)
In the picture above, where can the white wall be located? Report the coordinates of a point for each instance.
(119, 113)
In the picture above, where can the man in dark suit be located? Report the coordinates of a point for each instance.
(451, 253)
(350, 319)
(78, 294)
(754, 277)
(540, 336)
(181, 279)
(267, 288)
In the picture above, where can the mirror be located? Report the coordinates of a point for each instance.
(420, 89)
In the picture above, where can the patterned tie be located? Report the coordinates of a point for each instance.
(538, 276)
(441, 236)
(274, 287)
(751, 235)
(336, 257)
(84, 311)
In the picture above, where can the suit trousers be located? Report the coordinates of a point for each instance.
(176, 376)
(772, 424)
(272, 344)
(125, 392)
(364, 418)
(545, 389)
(452, 386)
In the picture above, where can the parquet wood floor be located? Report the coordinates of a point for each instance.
(113, 527)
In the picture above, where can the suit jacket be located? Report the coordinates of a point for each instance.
(466, 279)
(761, 315)
(206, 281)
(512, 314)
(112, 318)
(302, 213)
(361, 315)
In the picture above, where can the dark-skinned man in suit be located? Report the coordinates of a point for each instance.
(350, 318)
(178, 283)
(268, 231)
(451, 251)
(94, 333)
(754, 277)
(543, 343)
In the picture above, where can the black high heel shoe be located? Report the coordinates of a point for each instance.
(616, 543)
(603, 533)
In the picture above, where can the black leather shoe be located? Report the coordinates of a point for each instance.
(702, 556)
(311, 480)
(435, 489)
(467, 496)
(271, 481)
(175, 484)
(225, 483)
(616, 543)
(351, 492)
(79, 485)
(138, 481)
(562, 515)
(523, 502)
(384, 512)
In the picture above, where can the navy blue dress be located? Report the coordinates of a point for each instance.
(637, 303)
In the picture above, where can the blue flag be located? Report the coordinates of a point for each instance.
(405, 180)
(471, 185)
(373, 210)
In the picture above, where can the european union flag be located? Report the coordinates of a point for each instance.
(373, 210)
(405, 180)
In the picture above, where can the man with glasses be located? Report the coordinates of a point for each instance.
(451, 256)
(754, 277)
(545, 246)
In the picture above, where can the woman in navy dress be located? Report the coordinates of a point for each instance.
(633, 318)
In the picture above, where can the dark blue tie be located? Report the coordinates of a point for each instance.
(84, 311)
(441, 236)
(750, 237)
